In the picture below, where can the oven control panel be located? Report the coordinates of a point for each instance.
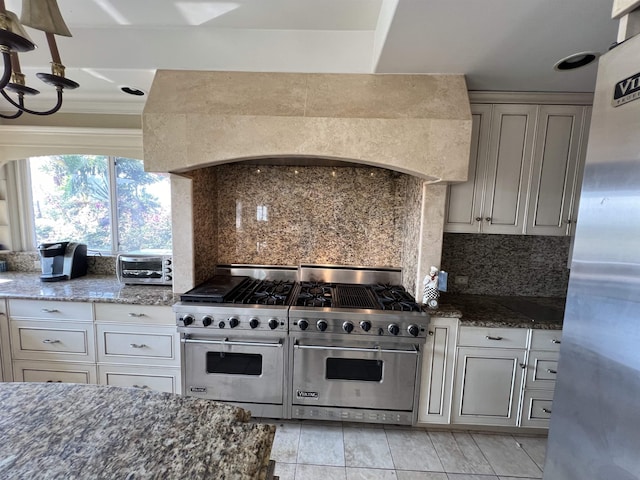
(233, 319)
(389, 326)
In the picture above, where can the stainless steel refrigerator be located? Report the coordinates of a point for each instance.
(595, 420)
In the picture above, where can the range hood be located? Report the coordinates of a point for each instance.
(415, 124)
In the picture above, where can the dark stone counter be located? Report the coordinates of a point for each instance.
(67, 431)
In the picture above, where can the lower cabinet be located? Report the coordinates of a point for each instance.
(53, 372)
(438, 360)
(6, 375)
(73, 342)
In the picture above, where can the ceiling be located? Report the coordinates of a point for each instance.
(500, 45)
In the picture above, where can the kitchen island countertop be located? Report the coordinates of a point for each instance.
(89, 288)
(92, 431)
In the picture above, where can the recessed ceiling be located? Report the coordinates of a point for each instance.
(499, 45)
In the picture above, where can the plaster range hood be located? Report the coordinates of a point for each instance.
(414, 124)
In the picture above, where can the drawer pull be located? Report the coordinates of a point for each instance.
(140, 386)
(523, 365)
(546, 410)
(489, 337)
(137, 315)
(551, 370)
(50, 310)
(556, 341)
(137, 345)
(54, 381)
(47, 340)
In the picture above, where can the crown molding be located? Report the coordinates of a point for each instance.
(18, 142)
(542, 98)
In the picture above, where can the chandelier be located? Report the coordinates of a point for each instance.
(42, 15)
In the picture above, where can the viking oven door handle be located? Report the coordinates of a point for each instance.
(227, 342)
(353, 349)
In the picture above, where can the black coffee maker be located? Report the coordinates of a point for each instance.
(62, 261)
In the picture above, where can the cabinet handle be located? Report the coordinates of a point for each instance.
(523, 365)
(46, 340)
(430, 333)
(489, 337)
(546, 410)
(558, 342)
(478, 219)
(50, 310)
(132, 314)
(488, 219)
(137, 345)
(54, 381)
(568, 221)
(551, 370)
(140, 386)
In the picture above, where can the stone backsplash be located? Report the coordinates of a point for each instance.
(30, 262)
(507, 264)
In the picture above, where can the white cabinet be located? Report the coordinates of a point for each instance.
(540, 380)
(436, 382)
(138, 346)
(524, 173)
(488, 377)
(52, 341)
(6, 374)
(107, 343)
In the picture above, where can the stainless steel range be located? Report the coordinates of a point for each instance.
(356, 341)
(233, 331)
(340, 343)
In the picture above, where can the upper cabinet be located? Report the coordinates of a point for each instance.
(524, 170)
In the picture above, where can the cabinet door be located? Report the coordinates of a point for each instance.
(536, 408)
(464, 200)
(54, 372)
(575, 201)
(160, 379)
(6, 374)
(487, 386)
(49, 340)
(555, 162)
(138, 344)
(436, 382)
(509, 168)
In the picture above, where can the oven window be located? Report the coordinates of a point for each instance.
(354, 369)
(234, 363)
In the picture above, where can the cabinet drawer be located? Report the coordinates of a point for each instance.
(542, 369)
(536, 408)
(492, 337)
(36, 340)
(54, 373)
(546, 340)
(124, 313)
(160, 379)
(46, 309)
(135, 344)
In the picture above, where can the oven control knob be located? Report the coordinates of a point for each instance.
(303, 324)
(233, 322)
(221, 324)
(347, 327)
(322, 325)
(413, 330)
(206, 321)
(187, 320)
(273, 323)
(254, 322)
(393, 329)
(365, 325)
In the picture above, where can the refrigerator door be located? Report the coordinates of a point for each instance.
(595, 421)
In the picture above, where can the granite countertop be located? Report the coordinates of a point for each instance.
(503, 311)
(89, 288)
(92, 431)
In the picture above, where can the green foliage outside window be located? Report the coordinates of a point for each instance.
(72, 201)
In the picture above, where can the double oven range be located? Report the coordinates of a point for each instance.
(332, 343)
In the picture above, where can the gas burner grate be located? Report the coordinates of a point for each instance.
(396, 298)
(262, 292)
(312, 294)
(355, 296)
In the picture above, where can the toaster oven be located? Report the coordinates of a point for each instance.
(144, 268)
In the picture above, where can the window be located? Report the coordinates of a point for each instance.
(109, 203)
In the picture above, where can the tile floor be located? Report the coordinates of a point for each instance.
(333, 451)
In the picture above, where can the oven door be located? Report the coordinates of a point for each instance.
(355, 375)
(240, 370)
